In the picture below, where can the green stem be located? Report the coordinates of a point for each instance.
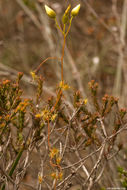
(15, 163)
(64, 35)
(62, 57)
(69, 27)
(58, 26)
(64, 28)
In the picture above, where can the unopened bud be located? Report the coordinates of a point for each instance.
(66, 15)
(51, 13)
(75, 10)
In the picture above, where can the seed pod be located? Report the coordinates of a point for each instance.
(51, 13)
(75, 10)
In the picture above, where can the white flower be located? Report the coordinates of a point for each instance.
(96, 60)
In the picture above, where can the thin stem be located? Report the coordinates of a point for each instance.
(62, 57)
(64, 42)
(57, 100)
(55, 185)
(64, 28)
(49, 58)
(58, 26)
(69, 27)
(49, 136)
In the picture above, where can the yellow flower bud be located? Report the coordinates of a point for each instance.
(66, 15)
(65, 19)
(40, 179)
(60, 175)
(33, 75)
(51, 13)
(85, 101)
(63, 85)
(58, 160)
(75, 10)
(53, 117)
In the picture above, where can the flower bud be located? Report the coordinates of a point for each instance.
(66, 15)
(51, 13)
(75, 10)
